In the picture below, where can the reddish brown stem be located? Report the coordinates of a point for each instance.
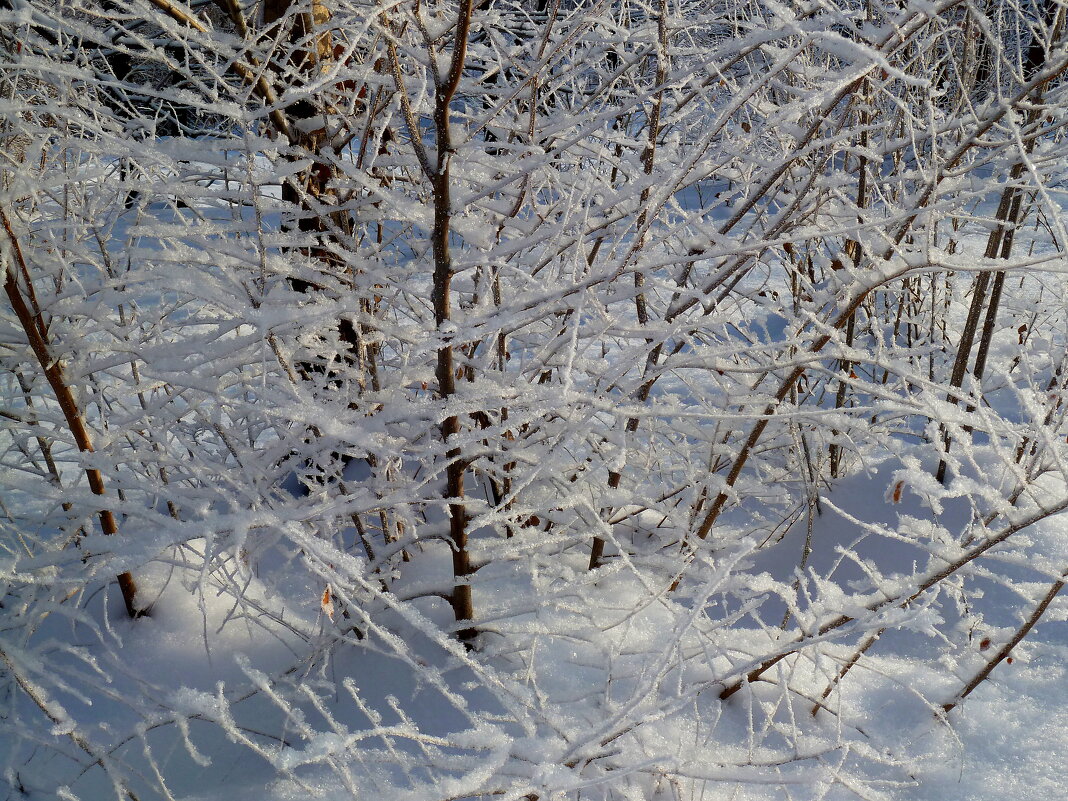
(36, 333)
(1006, 649)
(899, 602)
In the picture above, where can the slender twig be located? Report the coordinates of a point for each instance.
(1006, 649)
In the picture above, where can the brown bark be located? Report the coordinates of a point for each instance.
(999, 243)
(1006, 649)
(438, 174)
(37, 334)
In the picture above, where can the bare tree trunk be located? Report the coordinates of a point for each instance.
(855, 252)
(999, 243)
(37, 334)
(438, 175)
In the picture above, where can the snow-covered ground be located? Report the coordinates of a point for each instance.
(251, 691)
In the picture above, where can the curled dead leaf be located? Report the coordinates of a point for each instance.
(328, 602)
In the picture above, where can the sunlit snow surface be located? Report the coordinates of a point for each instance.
(1008, 740)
